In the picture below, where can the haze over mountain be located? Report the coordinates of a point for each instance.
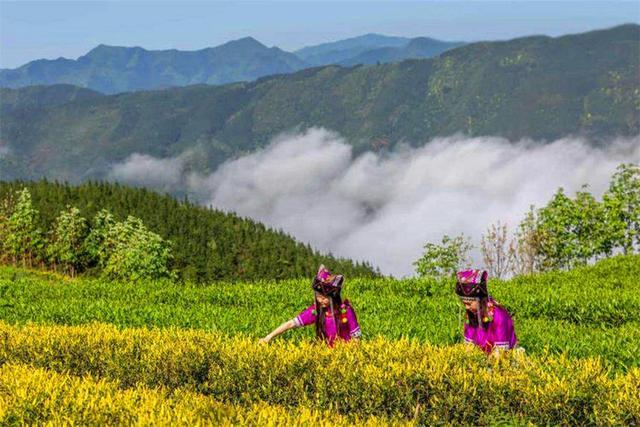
(344, 50)
(535, 87)
(420, 47)
(115, 69)
(372, 49)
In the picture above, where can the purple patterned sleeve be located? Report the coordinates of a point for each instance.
(468, 334)
(306, 317)
(354, 327)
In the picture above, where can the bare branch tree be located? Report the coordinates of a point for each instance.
(498, 250)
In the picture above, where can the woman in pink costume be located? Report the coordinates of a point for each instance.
(333, 318)
(489, 325)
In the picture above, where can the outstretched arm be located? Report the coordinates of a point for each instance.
(289, 324)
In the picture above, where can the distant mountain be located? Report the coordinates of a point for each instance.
(421, 47)
(534, 87)
(344, 50)
(112, 69)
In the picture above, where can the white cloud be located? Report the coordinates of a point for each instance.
(384, 208)
(149, 171)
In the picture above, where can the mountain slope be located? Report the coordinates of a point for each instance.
(35, 97)
(111, 69)
(208, 245)
(535, 87)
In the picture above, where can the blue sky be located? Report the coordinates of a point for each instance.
(51, 29)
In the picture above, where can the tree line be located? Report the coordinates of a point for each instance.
(121, 232)
(565, 233)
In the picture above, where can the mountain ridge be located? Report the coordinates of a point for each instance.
(116, 69)
(534, 88)
(341, 50)
(416, 48)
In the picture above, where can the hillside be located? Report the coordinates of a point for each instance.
(113, 69)
(35, 97)
(535, 87)
(95, 352)
(207, 244)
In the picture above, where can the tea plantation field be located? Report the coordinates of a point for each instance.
(93, 352)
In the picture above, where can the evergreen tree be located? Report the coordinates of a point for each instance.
(243, 250)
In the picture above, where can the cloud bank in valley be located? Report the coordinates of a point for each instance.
(144, 170)
(384, 208)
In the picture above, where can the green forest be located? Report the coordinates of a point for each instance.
(538, 87)
(59, 226)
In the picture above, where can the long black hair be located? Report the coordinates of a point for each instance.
(477, 318)
(335, 302)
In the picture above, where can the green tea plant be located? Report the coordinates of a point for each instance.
(589, 311)
(401, 379)
(35, 396)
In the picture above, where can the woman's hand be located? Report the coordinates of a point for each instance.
(264, 340)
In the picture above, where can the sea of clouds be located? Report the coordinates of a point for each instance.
(384, 208)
